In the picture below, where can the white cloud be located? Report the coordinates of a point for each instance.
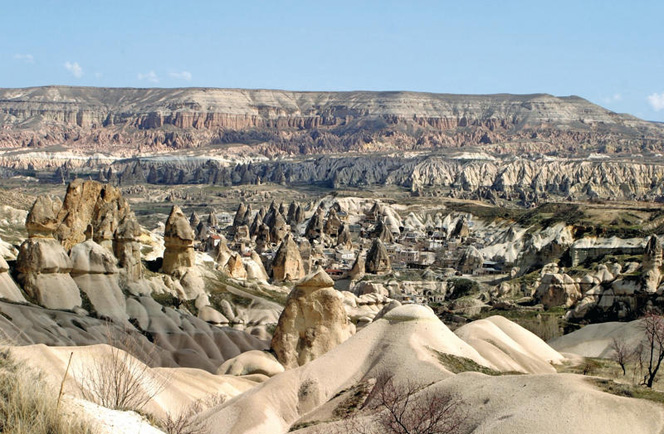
(74, 68)
(613, 98)
(98, 75)
(656, 100)
(27, 58)
(150, 76)
(183, 75)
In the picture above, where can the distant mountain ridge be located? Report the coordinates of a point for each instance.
(276, 122)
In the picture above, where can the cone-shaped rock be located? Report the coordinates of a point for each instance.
(343, 238)
(359, 267)
(314, 228)
(378, 261)
(279, 229)
(239, 215)
(194, 220)
(287, 263)
(235, 267)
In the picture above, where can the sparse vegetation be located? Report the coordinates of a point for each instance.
(119, 380)
(653, 329)
(458, 364)
(628, 390)
(28, 407)
(187, 421)
(408, 409)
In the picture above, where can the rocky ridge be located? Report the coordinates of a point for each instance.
(307, 122)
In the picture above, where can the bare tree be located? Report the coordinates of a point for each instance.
(118, 380)
(621, 352)
(408, 409)
(653, 329)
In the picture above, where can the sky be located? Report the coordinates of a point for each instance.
(609, 52)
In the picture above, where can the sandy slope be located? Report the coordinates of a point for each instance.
(509, 347)
(595, 340)
(179, 387)
(401, 343)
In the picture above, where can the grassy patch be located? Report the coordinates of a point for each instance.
(458, 364)
(356, 395)
(628, 390)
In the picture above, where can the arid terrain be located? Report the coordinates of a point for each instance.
(257, 261)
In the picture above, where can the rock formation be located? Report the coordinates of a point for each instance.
(287, 263)
(44, 267)
(95, 273)
(359, 267)
(179, 256)
(94, 117)
(313, 321)
(471, 259)
(557, 290)
(8, 289)
(235, 267)
(42, 220)
(344, 237)
(179, 242)
(378, 261)
(127, 247)
(652, 264)
(90, 203)
(314, 229)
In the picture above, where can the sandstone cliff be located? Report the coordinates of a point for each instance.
(307, 122)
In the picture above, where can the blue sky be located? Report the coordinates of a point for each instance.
(609, 52)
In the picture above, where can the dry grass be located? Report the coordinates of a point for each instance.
(119, 380)
(27, 407)
(187, 421)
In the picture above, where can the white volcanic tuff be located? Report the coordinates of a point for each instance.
(403, 342)
(8, 288)
(44, 268)
(308, 122)
(95, 273)
(559, 176)
(92, 105)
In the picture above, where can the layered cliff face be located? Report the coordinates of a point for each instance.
(282, 122)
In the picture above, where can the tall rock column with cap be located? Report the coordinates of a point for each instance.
(313, 322)
(42, 262)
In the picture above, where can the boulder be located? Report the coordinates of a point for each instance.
(313, 321)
